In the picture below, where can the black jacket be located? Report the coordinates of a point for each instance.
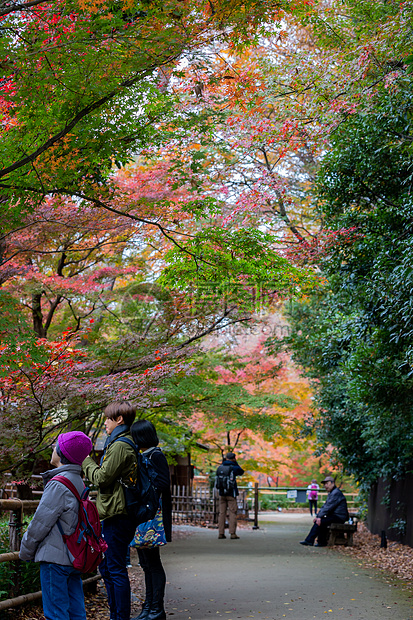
(335, 506)
(238, 471)
(161, 466)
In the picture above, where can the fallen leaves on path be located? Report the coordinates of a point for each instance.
(397, 559)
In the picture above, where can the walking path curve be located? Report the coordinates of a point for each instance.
(267, 574)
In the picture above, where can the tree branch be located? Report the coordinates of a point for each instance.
(78, 117)
(214, 327)
(21, 7)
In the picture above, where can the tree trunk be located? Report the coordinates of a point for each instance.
(37, 315)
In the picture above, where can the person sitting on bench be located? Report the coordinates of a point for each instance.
(333, 511)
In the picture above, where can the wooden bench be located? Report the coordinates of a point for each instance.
(341, 534)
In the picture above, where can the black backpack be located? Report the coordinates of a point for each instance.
(225, 480)
(142, 499)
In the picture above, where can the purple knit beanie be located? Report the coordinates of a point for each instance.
(75, 446)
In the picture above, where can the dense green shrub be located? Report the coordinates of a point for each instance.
(272, 502)
(27, 573)
(353, 335)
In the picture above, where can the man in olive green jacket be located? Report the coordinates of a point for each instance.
(118, 463)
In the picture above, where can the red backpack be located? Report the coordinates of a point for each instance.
(86, 545)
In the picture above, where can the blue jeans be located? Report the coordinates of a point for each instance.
(117, 531)
(62, 592)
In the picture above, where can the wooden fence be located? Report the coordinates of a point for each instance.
(194, 506)
(200, 506)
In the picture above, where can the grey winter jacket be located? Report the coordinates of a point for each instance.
(335, 506)
(43, 542)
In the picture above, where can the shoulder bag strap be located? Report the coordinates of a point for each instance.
(69, 485)
(128, 441)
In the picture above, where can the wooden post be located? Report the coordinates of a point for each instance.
(216, 509)
(15, 531)
(15, 527)
(255, 526)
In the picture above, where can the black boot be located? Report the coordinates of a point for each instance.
(147, 604)
(157, 611)
(157, 614)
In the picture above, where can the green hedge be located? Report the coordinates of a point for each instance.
(272, 502)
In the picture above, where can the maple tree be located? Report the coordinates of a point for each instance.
(273, 107)
(68, 269)
(101, 70)
(112, 115)
(245, 399)
(89, 277)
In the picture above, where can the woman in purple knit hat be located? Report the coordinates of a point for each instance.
(62, 590)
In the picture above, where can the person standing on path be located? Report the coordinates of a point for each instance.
(146, 440)
(334, 510)
(118, 464)
(62, 589)
(228, 493)
(312, 494)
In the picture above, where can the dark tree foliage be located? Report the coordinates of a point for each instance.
(354, 334)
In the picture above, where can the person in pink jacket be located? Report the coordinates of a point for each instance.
(312, 495)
